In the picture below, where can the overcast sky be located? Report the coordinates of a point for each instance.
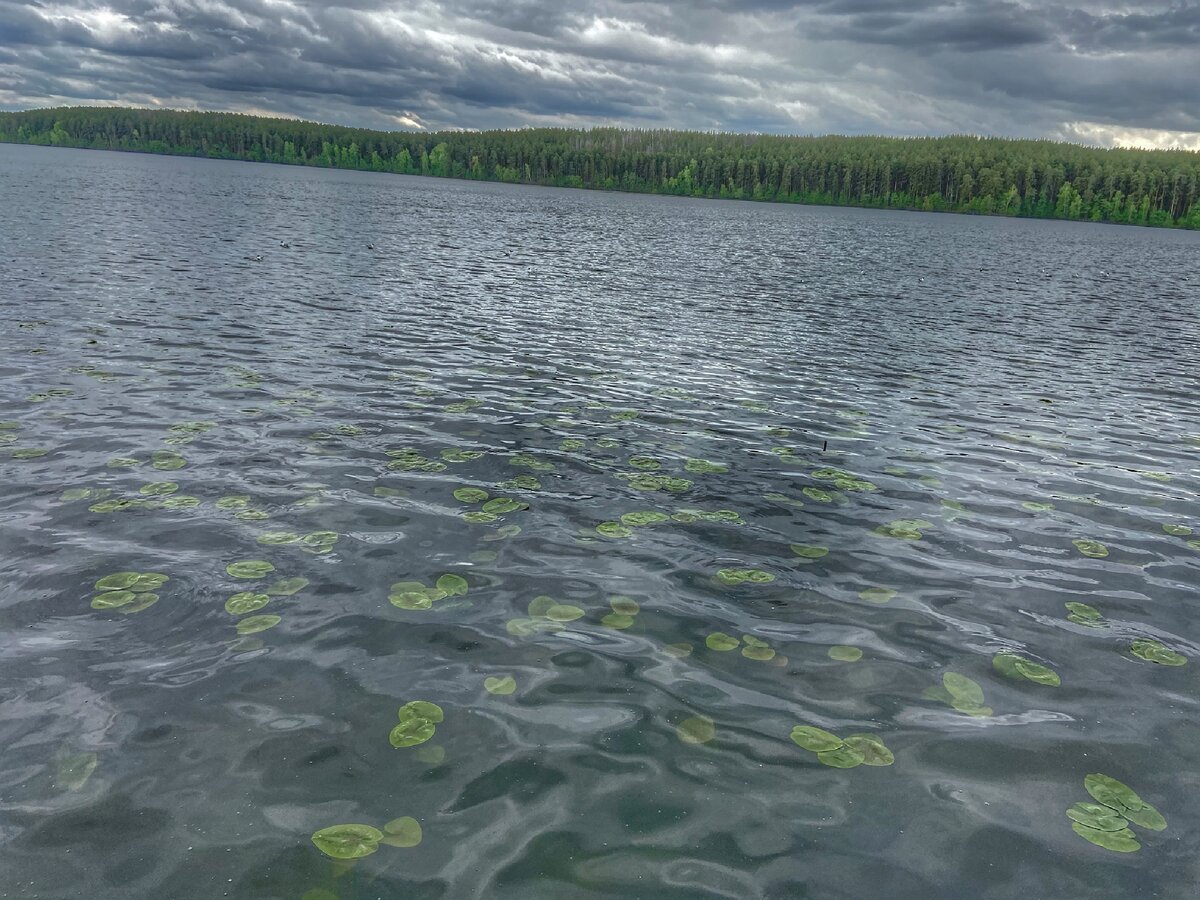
(1086, 70)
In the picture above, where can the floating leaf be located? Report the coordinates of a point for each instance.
(403, 832)
(117, 581)
(963, 689)
(1177, 530)
(679, 650)
(1122, 841)
(818, 740)
(286, 587)
(500, 685)
(140, 602)
(733, 577)
(626, 606)
(1156, 652)
(904, 529)
(1018, 667)
(348, 841)
(820, 495)
(470, 495)
(250, 568)
(255, 624)
(501, 505)
(760, 653)
(158, 488)
(617, 620)
(167, 460)
(245, 602)
(718, 640)
(696, 730)
(844, 653)
(1094, 549)
(613, 530)
(563, 612)
(877, 594)
(644, 462)
(1082, 614)
(233, 502)
(641, 519)
(1095, 815)
(705, 467)
(278, 537)
(452, 585)
(844, 757)
(431, 754)
(874, 752)
(113, 599)
(808, 552)
(74, 769)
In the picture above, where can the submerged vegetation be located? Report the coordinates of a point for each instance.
(989, 176)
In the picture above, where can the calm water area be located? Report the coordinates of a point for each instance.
(628, 487)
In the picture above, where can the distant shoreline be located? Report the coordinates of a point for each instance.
(970, 175)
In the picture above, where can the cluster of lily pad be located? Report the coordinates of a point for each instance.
(624, 611)
(843, 753)
(960, 692)
(418, 722)
(1018, 667)
(531, 462)
(492, 508)
(417, 595)
(128, 592)
(407, 459)
(649, 481)
(1106, 822)
(843, 480)
(248, 601)
(313, 542)
(752, 647)
(732, 577)
(545, 615)
(353, 841)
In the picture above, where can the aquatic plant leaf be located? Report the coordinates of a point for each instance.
(411, 732)
(1037, 673)
(278, 537)
(1176, 530)
(614, 530)
(245, 602)
(255, 624)
(501, 505)
(820, 495)
(72, 770)
(452, 585)
(643, 518)
(479, 517)
(644, 462)
(1083, 614)
(733, 577)
(113, 599)
(818, 740)
(617, 620)
(877, 594)
(904, 529)
(233, 502)
(431, 754)
(541, 604)
(1112, 793)
(1156, 652)
(250, 568)
(470, 495)
(402, 832)
(703, 466)
(626, 606)
(760, 653)
(167, 460)
(140, 602)
(1098, 816)
(286, 587)
(844, 653)
(158, 488)
(963, 689)
(348, 841)
(500, 685)
(252, 515)
(411, 600)
(1094, 549)
(1034, 506)
(844, 757)
(117, 581)
(421, 709)
(874, 751)
(181, 501)
(679, 650)
(1122, 841)
(563, 612)
(805, 551)
(696, 730)
(718, 640)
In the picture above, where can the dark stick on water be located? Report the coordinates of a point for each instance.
(824, 446)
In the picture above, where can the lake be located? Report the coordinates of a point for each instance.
(609, 546)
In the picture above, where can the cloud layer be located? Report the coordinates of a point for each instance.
(1088, 69)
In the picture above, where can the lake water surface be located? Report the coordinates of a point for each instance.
(679, 405)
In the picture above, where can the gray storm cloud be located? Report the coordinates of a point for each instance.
(1089, 70)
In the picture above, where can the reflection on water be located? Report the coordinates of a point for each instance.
(743, 551)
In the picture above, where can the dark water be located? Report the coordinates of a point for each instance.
(1006, 387)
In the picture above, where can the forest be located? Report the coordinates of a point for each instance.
(963, 174)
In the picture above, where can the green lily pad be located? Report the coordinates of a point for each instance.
(117, 581)
(696, 730)
(500, 685)
(245, 602)
(452, 585)
(703, 466)
(421, 709)
(410, 732)
(820, 495)
(718, 640)
(479, 517)
(123, 462)
(233, 502)
(626, 606)
(500, 505)
(1122, 841)
(348, 841)
(255, 624)
(877, 594)
(844, 653)
(617, 620)
(733, 577)
(1094, 549)
(963, 689)
(1156, 652)
(563, 612)
(1177, 530)
(273, 538)
(286, 587)
(403, 832)
(614, 530)
(805, 551)
(644, 462)
(904, 529)
(760, 653)
(113, 599)
(844, 757)
(1098, 816)
(818, 740)
(872, 749)
(140, 602)
(470, 495)
(167, 460)
(1082, 614)
(641, 519)
(158, 488)
(250, 568)
(1018, 667)
(1034, 506)
(679, 650)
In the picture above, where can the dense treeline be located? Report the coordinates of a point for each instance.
(955, 174)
